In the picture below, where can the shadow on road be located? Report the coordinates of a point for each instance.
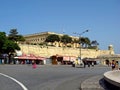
(107, 86)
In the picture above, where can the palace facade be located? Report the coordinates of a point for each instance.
(39, 38)
(34, 44)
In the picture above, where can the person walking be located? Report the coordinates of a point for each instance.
(113, 64)
(117, 65)
(92, 63)
(85, 63)
(34, 66)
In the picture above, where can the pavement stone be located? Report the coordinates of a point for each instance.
(93, 83)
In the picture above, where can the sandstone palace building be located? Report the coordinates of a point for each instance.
(39, 38)
(35, 45)
(36, 49)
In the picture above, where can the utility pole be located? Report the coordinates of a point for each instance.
(80, 34)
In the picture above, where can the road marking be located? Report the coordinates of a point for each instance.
(24, 88)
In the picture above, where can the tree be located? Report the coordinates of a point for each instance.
(3, 38)
(10, 47)
(85, 41)
(94, 44)
(82, 41)
(66, 39)
(6, 45)
(52, 38)
(20, 38)
(14, 36)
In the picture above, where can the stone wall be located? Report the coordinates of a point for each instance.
(47, 51)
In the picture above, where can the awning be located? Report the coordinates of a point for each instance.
(66, 58)
(40, 58)
(24, 56)
(69, 58)
(72, 58)
(30, 57)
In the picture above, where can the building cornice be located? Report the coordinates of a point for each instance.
(43, 33)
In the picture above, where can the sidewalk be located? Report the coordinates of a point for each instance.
(93, 83)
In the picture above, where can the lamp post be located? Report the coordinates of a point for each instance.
(79, 34)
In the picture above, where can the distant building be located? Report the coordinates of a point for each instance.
(39, 38)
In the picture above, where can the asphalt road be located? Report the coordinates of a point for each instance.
(46, 77)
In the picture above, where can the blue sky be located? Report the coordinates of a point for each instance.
(101, 17)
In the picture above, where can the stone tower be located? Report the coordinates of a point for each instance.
(111, 49)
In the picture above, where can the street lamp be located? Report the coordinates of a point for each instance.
(79, 34)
